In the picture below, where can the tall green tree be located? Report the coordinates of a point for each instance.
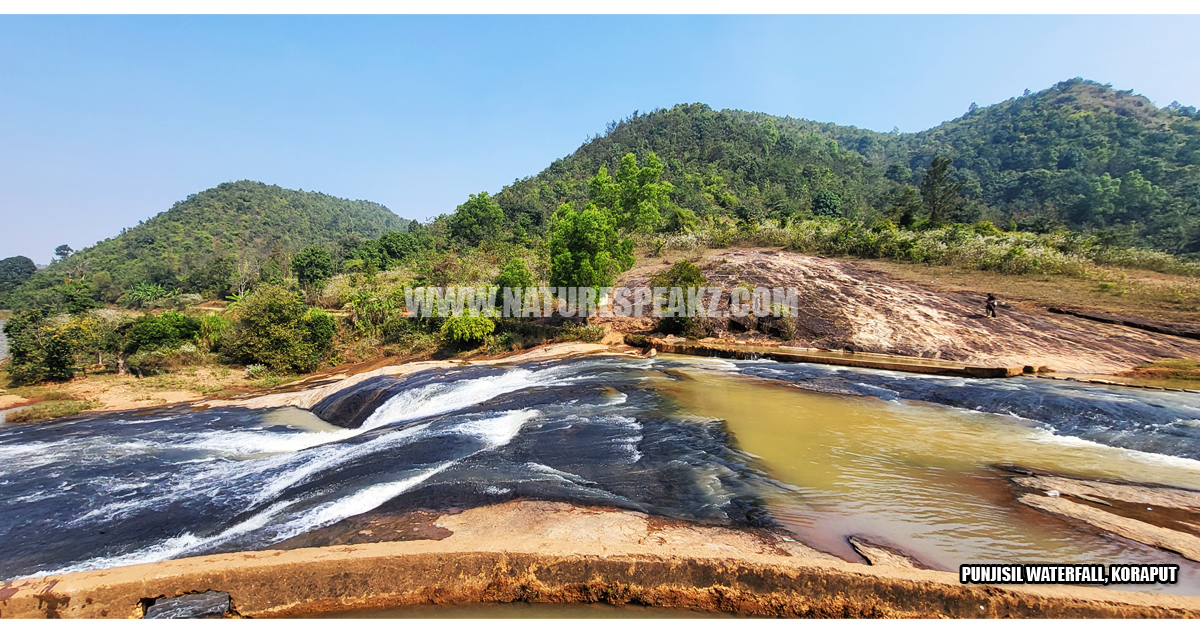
(312, 266)
(635, 197)
(585, 250)
(827, 204)
(514, 275)
(476, 221)
(14, 272)
(905, 207)
(939, 194)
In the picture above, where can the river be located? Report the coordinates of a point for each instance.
(822, 451)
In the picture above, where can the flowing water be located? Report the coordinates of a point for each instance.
(820, 450)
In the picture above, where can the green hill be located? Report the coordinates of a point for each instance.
(196, 244)
(1079, 154)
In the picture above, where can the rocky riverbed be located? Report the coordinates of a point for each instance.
(848, 306)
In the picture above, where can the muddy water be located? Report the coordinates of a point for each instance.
(917, 474)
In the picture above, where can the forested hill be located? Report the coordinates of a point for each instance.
(199, 242)
(1079, 154)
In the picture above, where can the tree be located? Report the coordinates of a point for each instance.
(515, 275)
(899, 173)
(44, 348)
(477, 220)
(905, 208)
(312, 266)
(939, 194)
(585, 250)
(400, 246)
(213, 277)
(63, 252)
(826, 204)
(14, 272)
(634, 196)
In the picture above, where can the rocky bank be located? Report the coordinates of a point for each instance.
(847, 306)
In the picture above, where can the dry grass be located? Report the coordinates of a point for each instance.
(1144, 293)
(1168, 370)
(50, 409)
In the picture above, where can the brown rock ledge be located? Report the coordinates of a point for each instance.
(555, 552)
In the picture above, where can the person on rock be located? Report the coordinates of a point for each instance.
(990, 306)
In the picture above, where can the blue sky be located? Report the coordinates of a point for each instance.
(105, 121)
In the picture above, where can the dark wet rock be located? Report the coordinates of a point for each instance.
(206, 605)
(374, 527)
(1133, 321)
(350, 407)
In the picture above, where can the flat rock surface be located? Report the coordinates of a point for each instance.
(1163, 517)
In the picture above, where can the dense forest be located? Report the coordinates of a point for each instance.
(1079, 155)
(213, 241)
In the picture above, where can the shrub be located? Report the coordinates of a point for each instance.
(396, 329)
(159, 360)
(142, 294)
(586, 333)
(210, 331)
(275, 329)
(467, 329)
(160, 331)
(682, 274)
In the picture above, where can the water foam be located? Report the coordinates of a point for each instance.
(1048, 436)
(493, 431)
(439, 398)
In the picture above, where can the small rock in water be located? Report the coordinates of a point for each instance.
(206, 605)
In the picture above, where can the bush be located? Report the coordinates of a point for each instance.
(211, 329)
(586, 333)
(275, 329)
(682, 274)
(160, 331)
(159, 360)
(396, 329)
(467, 329)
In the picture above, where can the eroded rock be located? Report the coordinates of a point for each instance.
(1159, 516)
(881, 554)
